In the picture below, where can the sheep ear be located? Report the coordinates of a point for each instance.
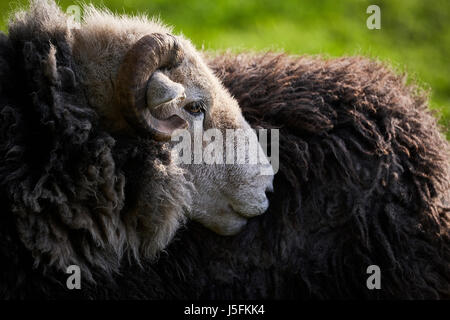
(161, 89)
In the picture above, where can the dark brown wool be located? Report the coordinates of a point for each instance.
(364, 175)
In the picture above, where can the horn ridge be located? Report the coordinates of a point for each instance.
(149, 53)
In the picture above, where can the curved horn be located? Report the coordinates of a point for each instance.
(147, 55)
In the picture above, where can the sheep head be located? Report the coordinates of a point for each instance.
(160, 83)
(111, 93)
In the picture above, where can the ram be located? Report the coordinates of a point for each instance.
(87, 176)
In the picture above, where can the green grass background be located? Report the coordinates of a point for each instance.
(414, 35)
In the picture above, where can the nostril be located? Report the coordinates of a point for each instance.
(269, 189)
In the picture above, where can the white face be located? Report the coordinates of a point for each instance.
(226, 194)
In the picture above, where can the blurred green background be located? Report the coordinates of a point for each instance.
(414, 34)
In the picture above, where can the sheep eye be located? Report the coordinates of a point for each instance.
(195, 108)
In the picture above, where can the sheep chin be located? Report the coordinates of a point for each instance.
(224, 222)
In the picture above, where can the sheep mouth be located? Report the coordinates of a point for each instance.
(238, 213)
(250, 210)
(234, 221)
(228, 218)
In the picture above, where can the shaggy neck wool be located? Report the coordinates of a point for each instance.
(65, 178)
